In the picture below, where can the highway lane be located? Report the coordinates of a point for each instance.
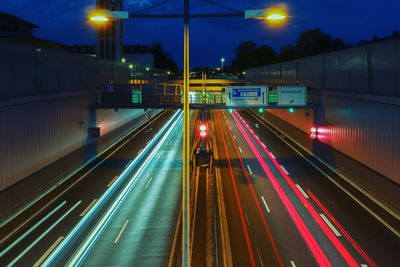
(252, 240)
(54, 215)
(332, 244)
(359, 230)
(140, 233)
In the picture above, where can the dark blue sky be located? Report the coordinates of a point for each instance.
(352, 20)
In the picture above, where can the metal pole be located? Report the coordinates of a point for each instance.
(186, 249)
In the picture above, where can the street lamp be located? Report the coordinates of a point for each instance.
(269, 15)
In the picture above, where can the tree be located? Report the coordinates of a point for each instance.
(264, 55)
(162, 59)
(288, 52)
(245, 56)
(315, 41)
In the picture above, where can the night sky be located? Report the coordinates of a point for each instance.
(351, 20)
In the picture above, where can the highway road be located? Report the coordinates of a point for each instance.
(46, 225)
(283, 211)
(141, 231)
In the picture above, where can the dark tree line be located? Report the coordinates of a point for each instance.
(311, 42)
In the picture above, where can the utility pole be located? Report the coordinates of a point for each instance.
(186, 244)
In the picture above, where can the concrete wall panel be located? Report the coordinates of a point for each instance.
(40, 133)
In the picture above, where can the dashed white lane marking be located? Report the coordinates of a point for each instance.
(112, 181)
(334, 230)
(257, 125)
(170, 143)
(292, 263)
(240, 150)
(265, 204)
(247, 219)
(283, 168)
(120, 232)
(364, 265)
(47, 253)
(302, 191)
(88, 207)
(259, 257)
(230, 128)
(147, 185)
(234, 137)
(140, 151)
(248, 167)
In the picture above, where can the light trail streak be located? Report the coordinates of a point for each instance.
(245, 230)
(370, 262)
(260, 211)
(314, 247)
(106, 218)
(335, 241)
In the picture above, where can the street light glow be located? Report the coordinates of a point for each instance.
(276, 17)
(99, 19)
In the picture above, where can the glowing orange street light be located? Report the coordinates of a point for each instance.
(102, 16)
(276, 17)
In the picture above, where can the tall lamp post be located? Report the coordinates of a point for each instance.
(105, 15)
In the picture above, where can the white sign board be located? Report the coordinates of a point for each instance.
(246, 96)
(291, 95)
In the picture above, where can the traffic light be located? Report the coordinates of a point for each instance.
(230, 110)
(313, 132)
(291, 110)
(260, 110)
(203, 131)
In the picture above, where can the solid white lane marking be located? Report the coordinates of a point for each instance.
(302, 191)
(248, 167)
(147, 185)
(257, 125)
(371, 197)
(129, 163)
(283, 168)
(112, 181)
(43, 235)
(140, 151)
(247, 218)
(120, 232)
(259, 257)
(265, 204)
(292, 263)
(234, 137)
(46, 254)
(32, 228)
(88, 208)
(334, 230)
(240, 150)
(272, 155)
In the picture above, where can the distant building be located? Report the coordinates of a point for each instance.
(11, 25)
(133, 54)
(139, 54)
